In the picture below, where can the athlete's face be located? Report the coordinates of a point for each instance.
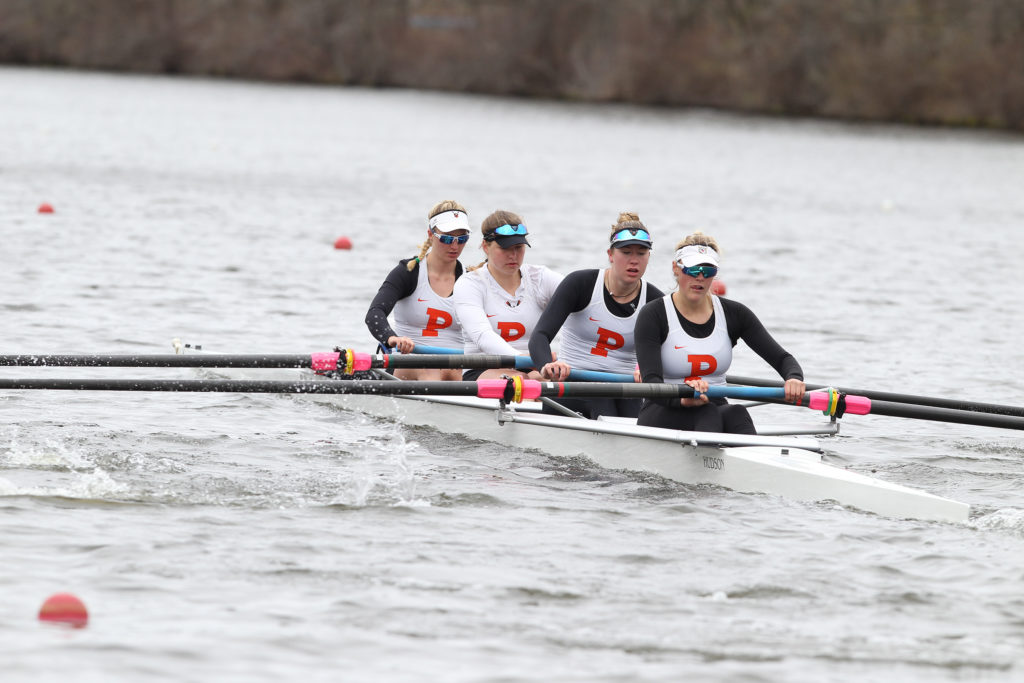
(506, 260)
(692, 288)
(629, 263)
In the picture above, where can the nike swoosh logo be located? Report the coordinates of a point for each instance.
(419, 299)
(490, 315)
(679, 347)
(594, 319)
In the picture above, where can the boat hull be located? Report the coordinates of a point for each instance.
(784, 466)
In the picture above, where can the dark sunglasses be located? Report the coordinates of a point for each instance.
(448, 239)
(706, 271)
(631, 234)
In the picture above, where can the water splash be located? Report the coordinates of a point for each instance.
(1009, 520)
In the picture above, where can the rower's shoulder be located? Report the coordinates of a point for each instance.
(584, 279)
(733, 306)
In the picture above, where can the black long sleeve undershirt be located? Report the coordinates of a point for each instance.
(400, 283)
(652, 331)
(572, 295)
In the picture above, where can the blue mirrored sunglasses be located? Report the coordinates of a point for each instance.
(448, 239)
(706, 271)
(631, 234)
(509, 230)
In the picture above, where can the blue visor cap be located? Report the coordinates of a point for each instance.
(509, 235)
(628, 236)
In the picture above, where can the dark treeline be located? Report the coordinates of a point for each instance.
(955, 62)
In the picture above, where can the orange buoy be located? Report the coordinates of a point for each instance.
(343, 243)
(45, 208)
(64, 608)
(718, 287)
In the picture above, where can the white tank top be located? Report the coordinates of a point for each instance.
(495, 321)
(595, 339)
(683, 357)
(426, 317)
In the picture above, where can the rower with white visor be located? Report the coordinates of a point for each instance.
(688, 336)
(418, 293)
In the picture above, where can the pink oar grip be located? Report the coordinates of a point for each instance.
(491, 388)
(817, 400)
(325, 361)
(363, 361)
(858, 405)
(495, 388)
(531, 388)
(855, 405)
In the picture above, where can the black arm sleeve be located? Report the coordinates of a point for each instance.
(743, 324)
(650, 333)
(572, 294)
(400, 283)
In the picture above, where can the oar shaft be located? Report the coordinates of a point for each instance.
(525, 363)
(248, 386)
(318, 361)
(969, 417)
(171, 360)
(495, 388)
(936, 402)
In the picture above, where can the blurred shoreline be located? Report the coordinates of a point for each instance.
(933, 62)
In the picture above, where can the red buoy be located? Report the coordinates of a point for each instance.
(64, 608)
(718, 287)
(343, 243)
(45, 208)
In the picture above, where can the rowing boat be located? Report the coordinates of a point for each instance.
(778, 462)
(782, 462)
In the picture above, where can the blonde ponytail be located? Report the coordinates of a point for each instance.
(414, 261)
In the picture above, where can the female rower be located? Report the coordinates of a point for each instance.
(687, 337)
(499, 304)
(419, 291)
(596, 310)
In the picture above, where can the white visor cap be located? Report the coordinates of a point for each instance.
(447, 221)
(695, 255)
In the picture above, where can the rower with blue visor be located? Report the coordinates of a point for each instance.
(687, 337)
(418, 293)
(499, 302)
(595, 310)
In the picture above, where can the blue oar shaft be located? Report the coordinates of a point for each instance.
(525, 363)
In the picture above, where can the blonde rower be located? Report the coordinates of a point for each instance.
(688, 337)
(419, 292)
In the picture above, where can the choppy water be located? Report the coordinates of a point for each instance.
(249, 538)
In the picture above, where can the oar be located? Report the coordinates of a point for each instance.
(526, 363)
(509, 390)
(936, 402)
(915, 412)
(333, 360)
